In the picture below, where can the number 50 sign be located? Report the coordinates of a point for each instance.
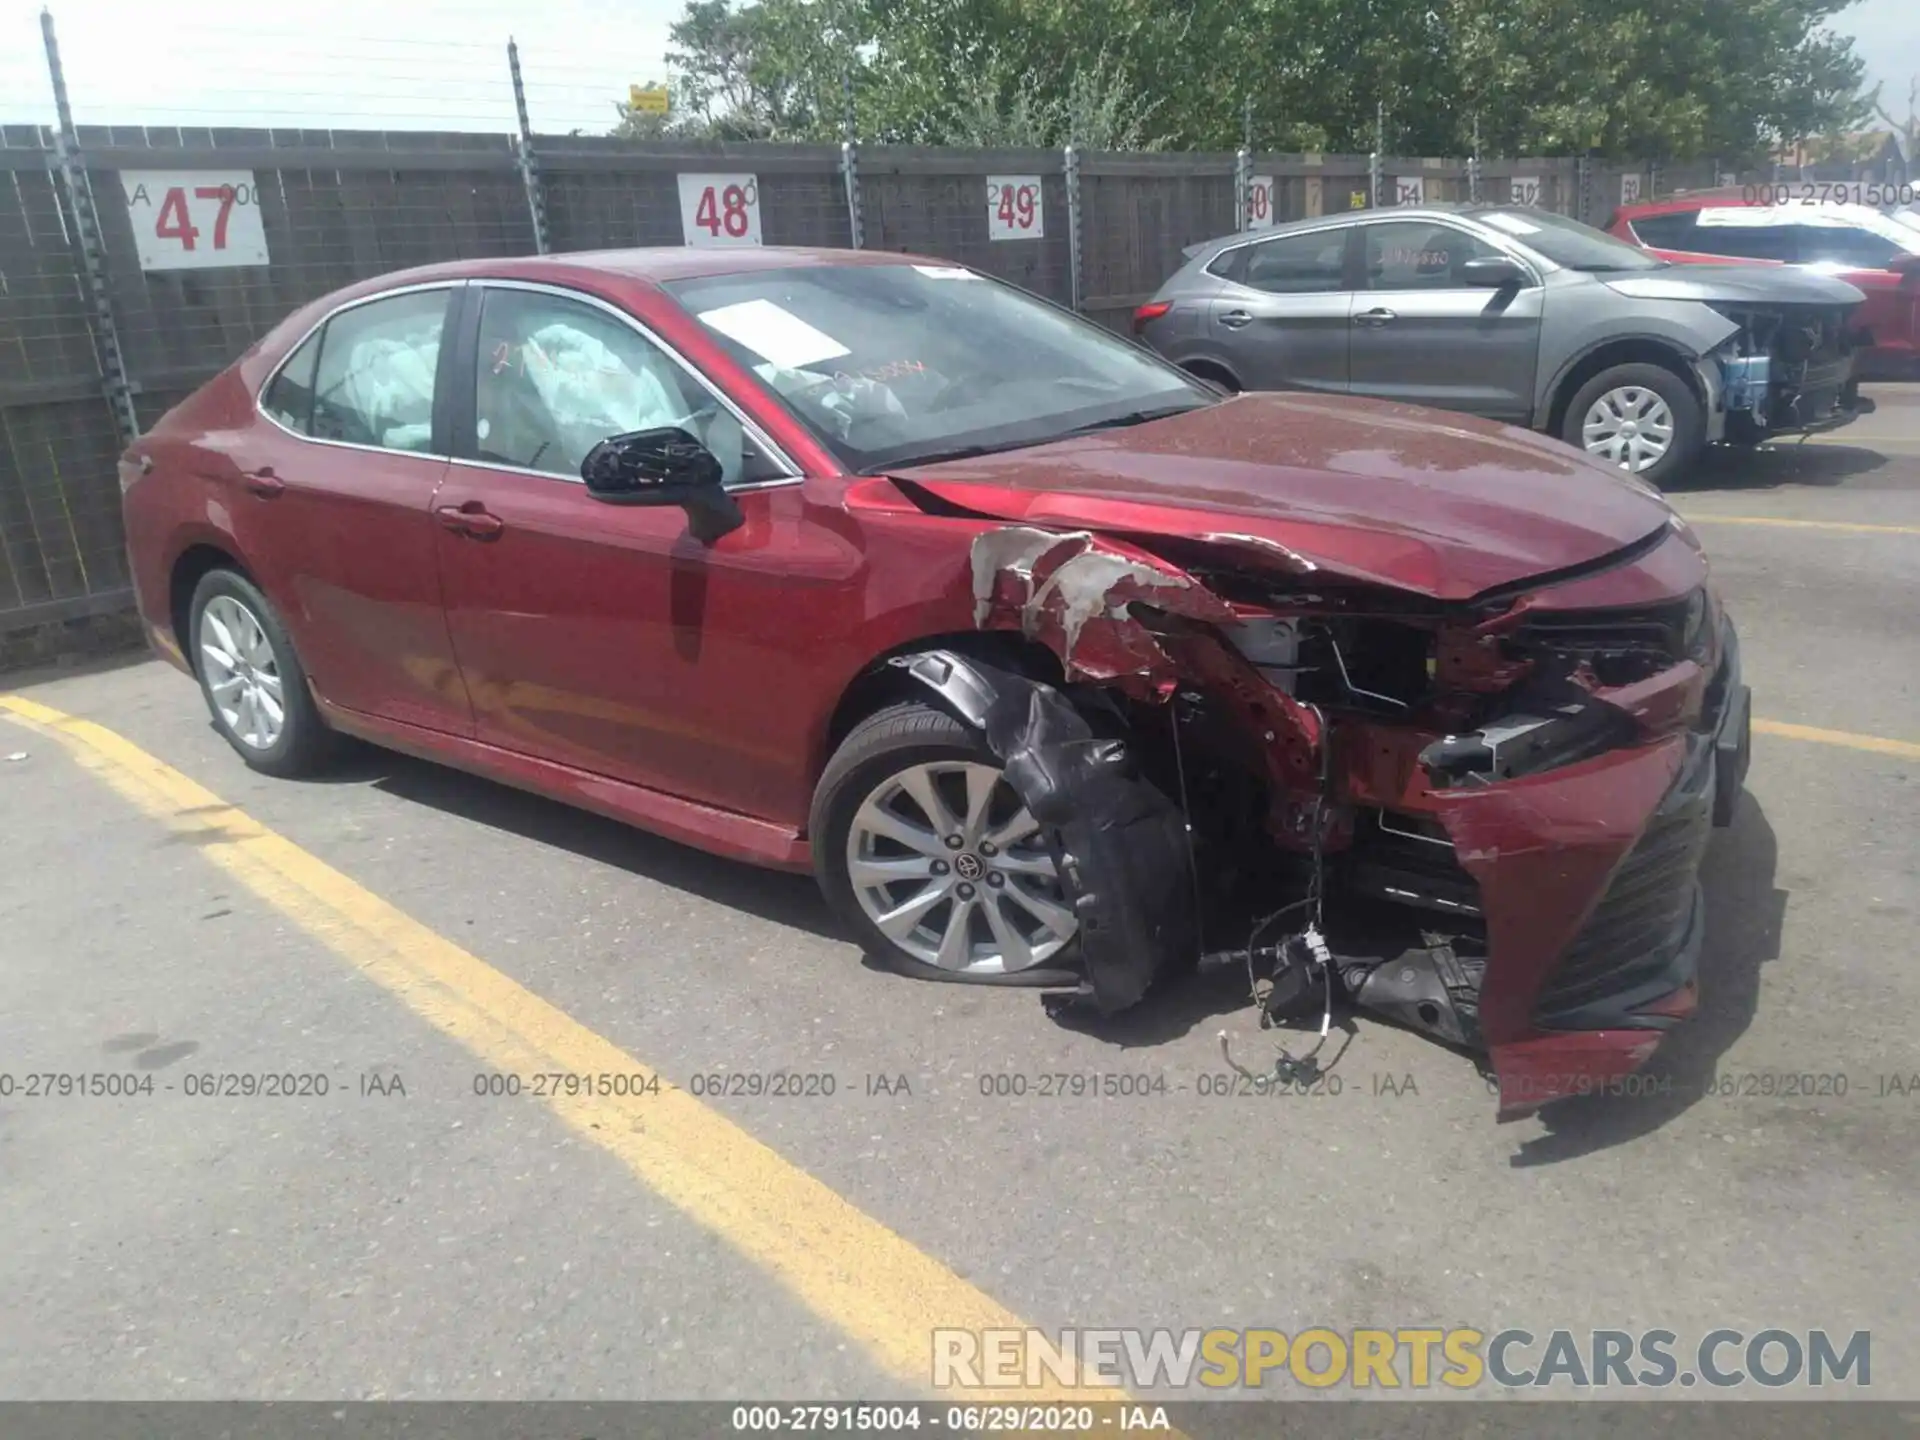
(720, 209)
(194, 219)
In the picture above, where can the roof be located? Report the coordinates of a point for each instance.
(654, 265)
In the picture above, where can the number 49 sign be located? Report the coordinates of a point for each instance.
(194, 219)
(1014, 211)
(720, 209)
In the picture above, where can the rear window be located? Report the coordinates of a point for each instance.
(1665, 232)
(289, 395)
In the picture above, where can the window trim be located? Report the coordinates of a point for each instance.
(432, 452)
(1442, 222)
(468, 362)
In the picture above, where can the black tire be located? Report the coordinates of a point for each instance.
(1213, 375)
(304, 743)
(1689, 427)
(886, 743)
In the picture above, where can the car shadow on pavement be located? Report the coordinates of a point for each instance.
(1770, 466)
(1745, 913)
(784, 898)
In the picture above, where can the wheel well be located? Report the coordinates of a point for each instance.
(1619, 352)
(882, 684)
(1211, 370)
(194, 562)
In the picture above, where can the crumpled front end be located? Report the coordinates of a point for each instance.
(1481, 818)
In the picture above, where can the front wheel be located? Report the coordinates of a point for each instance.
(1642, 418)
(930, 856)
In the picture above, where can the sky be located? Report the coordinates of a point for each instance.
(416, 64)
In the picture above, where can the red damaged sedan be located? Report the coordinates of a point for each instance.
(1056, 666)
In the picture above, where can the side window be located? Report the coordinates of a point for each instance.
(1298, 264)
(1672, 231)
(556, 376)
(374, 384)
(289, 395)
(1745, 242)
(1418, 255)
(1229, 263)
(1834, 245)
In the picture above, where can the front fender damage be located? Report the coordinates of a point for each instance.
(1119, 842)
(1442, 853)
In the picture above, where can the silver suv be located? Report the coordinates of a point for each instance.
(1517, 315)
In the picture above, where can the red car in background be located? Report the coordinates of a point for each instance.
(1856, 243)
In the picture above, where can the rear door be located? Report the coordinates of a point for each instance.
(334, 510)
(1281, 318)
(1420, 335)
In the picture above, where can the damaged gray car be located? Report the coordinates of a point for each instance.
(1521, 316)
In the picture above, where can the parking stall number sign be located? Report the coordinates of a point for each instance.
(1014, 208)
(1410, 190)
(195, 219)
(1260, 200)
(1525, 189)
(1629, 189)
(720, 209)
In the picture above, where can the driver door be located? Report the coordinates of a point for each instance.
(604, 637)
(1421, 335)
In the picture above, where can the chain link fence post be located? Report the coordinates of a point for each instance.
(1583, 188)
(93, 255)
(523, 155)
(1243, 188)
(850, 170)
(1072, 159)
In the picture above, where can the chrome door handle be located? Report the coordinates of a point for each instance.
(1377, 316)
(1234, 319)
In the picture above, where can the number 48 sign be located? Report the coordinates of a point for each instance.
(720, 209)
(194, 219)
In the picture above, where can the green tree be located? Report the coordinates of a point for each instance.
(1675, 80)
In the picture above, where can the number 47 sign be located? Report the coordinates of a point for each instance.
(194, 219)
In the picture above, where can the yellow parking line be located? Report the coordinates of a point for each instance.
(1849, 525)
(842, 1264)
(1877, 744)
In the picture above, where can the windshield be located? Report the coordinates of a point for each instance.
(896, 364)
(1568, 242)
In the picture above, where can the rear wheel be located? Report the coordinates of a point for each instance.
(931, 857)
(1213, 375)
(254, 685)
(1642, 418)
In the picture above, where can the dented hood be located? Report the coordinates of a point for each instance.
(1439, 504)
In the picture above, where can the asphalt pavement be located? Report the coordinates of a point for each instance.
(432, 1239)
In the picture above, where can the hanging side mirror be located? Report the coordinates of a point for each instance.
(666, 466)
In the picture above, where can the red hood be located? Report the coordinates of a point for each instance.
(1440, 504)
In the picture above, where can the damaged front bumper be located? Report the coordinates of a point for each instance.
(1588, 879)
(1527, 889)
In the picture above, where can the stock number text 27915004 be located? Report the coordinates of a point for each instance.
(67, 1085)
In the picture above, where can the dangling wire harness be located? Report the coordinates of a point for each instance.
(1306, 949)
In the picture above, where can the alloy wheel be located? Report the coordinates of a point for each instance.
(949, 865)
(1631, 427)
(242, 673)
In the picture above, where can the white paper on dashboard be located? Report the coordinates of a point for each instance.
(778, 335)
